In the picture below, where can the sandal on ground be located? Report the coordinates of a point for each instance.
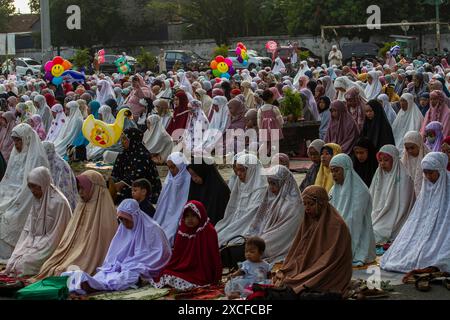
(423, 283)
(369, 294)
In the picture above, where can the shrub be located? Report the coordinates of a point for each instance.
(146, 60)
(292, 104)
(220, 51)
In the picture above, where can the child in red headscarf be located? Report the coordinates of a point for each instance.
(196, 259)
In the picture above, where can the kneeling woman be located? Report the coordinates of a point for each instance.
(45, 226)
(90, 231)
(196, 260)
(139, 249)
(320, 257)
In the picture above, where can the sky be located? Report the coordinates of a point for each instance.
(22, 5)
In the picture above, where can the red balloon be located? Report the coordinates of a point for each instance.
(220, 59)
(58, 60)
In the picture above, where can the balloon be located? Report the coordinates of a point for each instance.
(57, 81)
(101, 52)
(242, 46)
(220, 59)
(238, 51)
(67, 65)
(104, 135)
(48, 76)
(58, 60)
(240, 59)
(57, 70)
(245, 63)
(101, 59)
(222, 67)
(225, 75)
(216, 73)
(73, 76)
(231, 71)
(48, 66)
(271, 46)
(229, 62)
(213, 64)
(218, 80)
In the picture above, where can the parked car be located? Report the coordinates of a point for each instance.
(24, 66)
(188, 59)
(255, 60)
(110, 67)
(360, 51)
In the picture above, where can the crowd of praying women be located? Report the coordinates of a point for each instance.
(379, 175)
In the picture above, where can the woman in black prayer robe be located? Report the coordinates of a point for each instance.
(2, 167)
(208, 187)
(365, 160)
(376, 126)
(132, 164)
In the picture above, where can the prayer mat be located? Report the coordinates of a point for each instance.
(204, 293)
(145, 293)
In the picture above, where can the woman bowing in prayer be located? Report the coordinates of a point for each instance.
(280, 214)
(219, 118)
(320, 258)
(414, 152)
(351, 198)
(94, 218)
(324, 177)
(365, 161)
(62, 174)
(195, 259)
(197, 124)
(48, 218)
(376, 126)
(393, 196)
(425, 238)
(314, 153)
(246, 196)
(132, 164)
(157, 140)
(209, 188)
(139, 249)
(408, 119)
(15, 197)
(136, 98)
(173, 196)
(343, 129)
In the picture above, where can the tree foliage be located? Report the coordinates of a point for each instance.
(35, 6)
(7, 8)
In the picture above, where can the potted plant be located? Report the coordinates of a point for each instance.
(292, 105)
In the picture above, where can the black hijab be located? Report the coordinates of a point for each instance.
(327, 103)
(366, 170)
(135, 163)
(213, 193)
(378, 130)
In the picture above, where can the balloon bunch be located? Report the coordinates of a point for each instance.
(241, 52)
(395, 50)
(222, 67)
(55, 70)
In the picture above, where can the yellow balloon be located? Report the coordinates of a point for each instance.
(222, 67)
(104, 135)
(57, 70)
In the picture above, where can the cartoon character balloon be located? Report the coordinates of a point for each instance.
(222, 67)
(241, 53)
(55, 69)
(105, 135)
(123, 67)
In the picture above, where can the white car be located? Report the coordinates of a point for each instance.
(24, 66)
(255, 60)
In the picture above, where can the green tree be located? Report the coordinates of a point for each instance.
(35, 6)
(81, 58)
(146, 60)
(7, 8)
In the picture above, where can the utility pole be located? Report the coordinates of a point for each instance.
(437, 4)
(46, 40)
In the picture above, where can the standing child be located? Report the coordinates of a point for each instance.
(141, 192)
(253, 270)
(270, 120)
